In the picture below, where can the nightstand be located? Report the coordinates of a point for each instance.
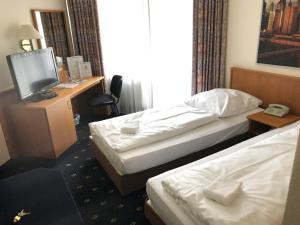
(261, 122)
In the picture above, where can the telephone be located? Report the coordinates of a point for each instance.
(277, 110)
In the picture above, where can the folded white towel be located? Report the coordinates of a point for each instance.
(223, 191)
(130, 127)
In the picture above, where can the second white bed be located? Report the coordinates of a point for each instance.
(166, 206)
(161, 152)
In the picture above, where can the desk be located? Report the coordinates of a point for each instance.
(46, 128)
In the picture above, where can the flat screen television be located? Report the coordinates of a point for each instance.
(33, 72)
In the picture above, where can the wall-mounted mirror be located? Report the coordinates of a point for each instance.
(52, 25)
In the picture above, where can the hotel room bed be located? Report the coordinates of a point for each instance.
(174, 136)
(162, 208)
(158, 153)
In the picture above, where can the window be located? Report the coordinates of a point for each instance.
(149, 42)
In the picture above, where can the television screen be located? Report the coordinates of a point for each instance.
(33, 71)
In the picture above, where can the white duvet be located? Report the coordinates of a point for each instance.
(154, 125)
(264, 170)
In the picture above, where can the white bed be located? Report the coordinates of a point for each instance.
(160, 152)
(165, 205)
(164, 139)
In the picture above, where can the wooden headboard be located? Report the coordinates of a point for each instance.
(269, 87)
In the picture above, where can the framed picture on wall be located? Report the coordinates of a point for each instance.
(279, 41)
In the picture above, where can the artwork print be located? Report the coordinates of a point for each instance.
(279, 42)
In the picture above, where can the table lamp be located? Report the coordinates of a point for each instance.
(292, 208)
(26, 34)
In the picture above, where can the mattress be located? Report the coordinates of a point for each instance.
(165, 205)
(164, 151)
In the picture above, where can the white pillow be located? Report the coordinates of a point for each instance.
(224, 102)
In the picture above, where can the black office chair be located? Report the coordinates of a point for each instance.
(111, 99)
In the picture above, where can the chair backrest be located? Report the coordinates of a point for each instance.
(116, 86)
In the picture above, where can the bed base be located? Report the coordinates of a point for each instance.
(151, 215)
(131, 182)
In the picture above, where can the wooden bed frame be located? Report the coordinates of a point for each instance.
(269, 87)
(151, 215)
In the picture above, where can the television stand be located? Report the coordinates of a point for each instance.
(42, 95)
(46, 129)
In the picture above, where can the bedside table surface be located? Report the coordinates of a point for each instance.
(273, 121)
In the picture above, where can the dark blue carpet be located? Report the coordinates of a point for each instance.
(95, 195)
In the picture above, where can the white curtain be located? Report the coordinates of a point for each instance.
(149, 43)
(171, 49)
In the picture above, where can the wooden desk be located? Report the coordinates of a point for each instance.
(46, 128)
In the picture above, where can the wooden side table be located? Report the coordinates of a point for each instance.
(261, 122)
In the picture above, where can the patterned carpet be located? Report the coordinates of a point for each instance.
(95, 195)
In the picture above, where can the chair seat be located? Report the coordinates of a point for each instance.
(102, 100)
(109, 99)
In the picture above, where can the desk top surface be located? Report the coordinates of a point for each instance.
(273, 121)
(64, 93)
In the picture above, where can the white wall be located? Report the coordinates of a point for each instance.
(243, 36)
(13, 14)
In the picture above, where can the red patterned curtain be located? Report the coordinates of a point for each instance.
(209, 44)
(55, 33)
(86, 33)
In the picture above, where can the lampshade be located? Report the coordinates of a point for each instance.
(292, 215)
(28, 32)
